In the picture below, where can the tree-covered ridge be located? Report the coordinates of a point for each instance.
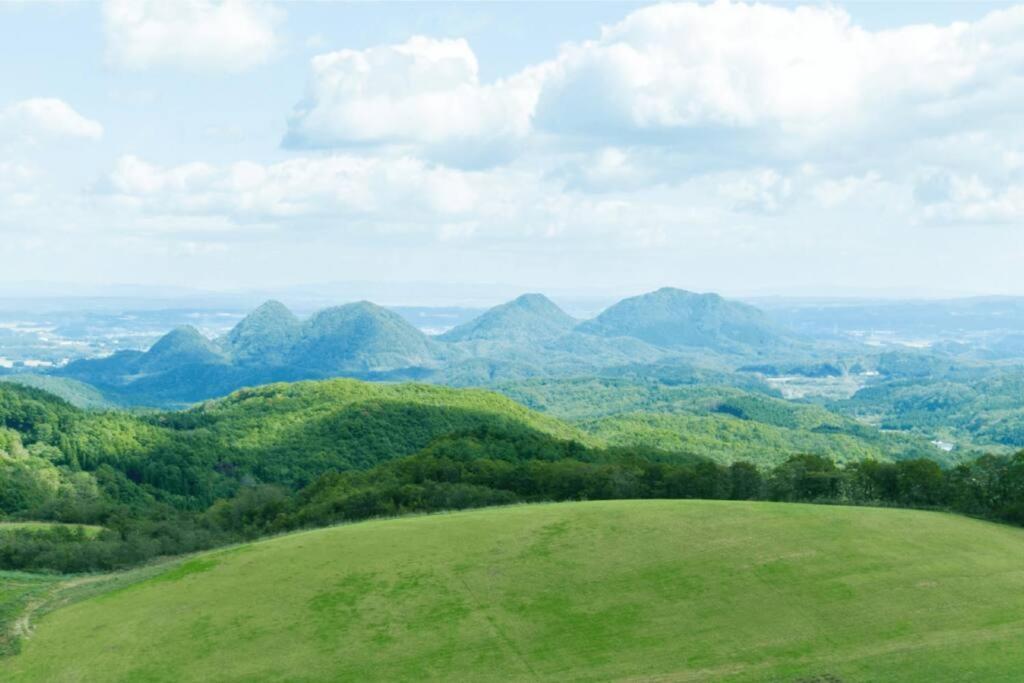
(721, 423)
(529, 318)
(283, 434)
(676, 318)
(961, 403)
(78, 394)
(292, 455)
(265, 336)
(527, 337)
(361, 337)
(289, 433)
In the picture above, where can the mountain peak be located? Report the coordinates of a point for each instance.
(361, 337)
(184, 336)
(672, 318)
(181, 346)
(527, 318)
(266, 335)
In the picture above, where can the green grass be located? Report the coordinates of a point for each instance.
(654, 590)
(17, 591)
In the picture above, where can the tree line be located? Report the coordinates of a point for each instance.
(488, 467)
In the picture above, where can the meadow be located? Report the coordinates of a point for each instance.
(648, 590)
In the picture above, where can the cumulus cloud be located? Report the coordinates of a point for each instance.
(610, 169)
(803, 71)
(424, 92)
(761, 191)
(220, 35)
(39, 117)
(726, 83)
(305, 187)
(16, 184)
(951, 197)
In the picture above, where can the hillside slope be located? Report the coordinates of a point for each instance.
(657, 590)
(265, 336)
(291, 433)
(675, 318)
(528, 318)
(288, 434)
(361, 337)
(724, 424)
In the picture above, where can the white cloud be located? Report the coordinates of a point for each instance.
(221, 35)
(16, 184)
(610, 169)
(805, 72)
(761, 191)
(833, 192)
(43, 117)
(950, 197)
(302, 187)
(729, 85)
(423, 92)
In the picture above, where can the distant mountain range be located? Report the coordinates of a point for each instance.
(527, 337)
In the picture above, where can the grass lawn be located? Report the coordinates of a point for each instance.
(648, 590)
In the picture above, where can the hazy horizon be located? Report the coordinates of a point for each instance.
(580, 301)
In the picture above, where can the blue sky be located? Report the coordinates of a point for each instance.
(841, 148)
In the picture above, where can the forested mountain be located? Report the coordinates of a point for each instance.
(361, 337)
(527, 337)
(528, 318)
(181, 346)
(264, 337)
(675, 318)
(285, 433)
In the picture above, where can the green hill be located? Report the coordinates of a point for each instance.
(656, 590)
(181, 346)
(724, 424)
(287, 433)
(78, 394)
(265, 336)
(662, 334)
(290, 433)
(675, 318)
(528, 318)
(361, 337)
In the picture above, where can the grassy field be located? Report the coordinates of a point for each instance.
(654, 590)
(17, 592)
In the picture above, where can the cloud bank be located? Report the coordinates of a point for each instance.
(198, 35)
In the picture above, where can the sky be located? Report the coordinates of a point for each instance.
(608, 148)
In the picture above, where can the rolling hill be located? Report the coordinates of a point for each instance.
(265, 336)
(651, 590)
(657, 334)
(286, 433)
(529, 318)
(722, 423)
(361, 337)
(179, 347)
(76, 393)
(675, 318)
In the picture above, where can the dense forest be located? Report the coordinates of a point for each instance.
(289, 456)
